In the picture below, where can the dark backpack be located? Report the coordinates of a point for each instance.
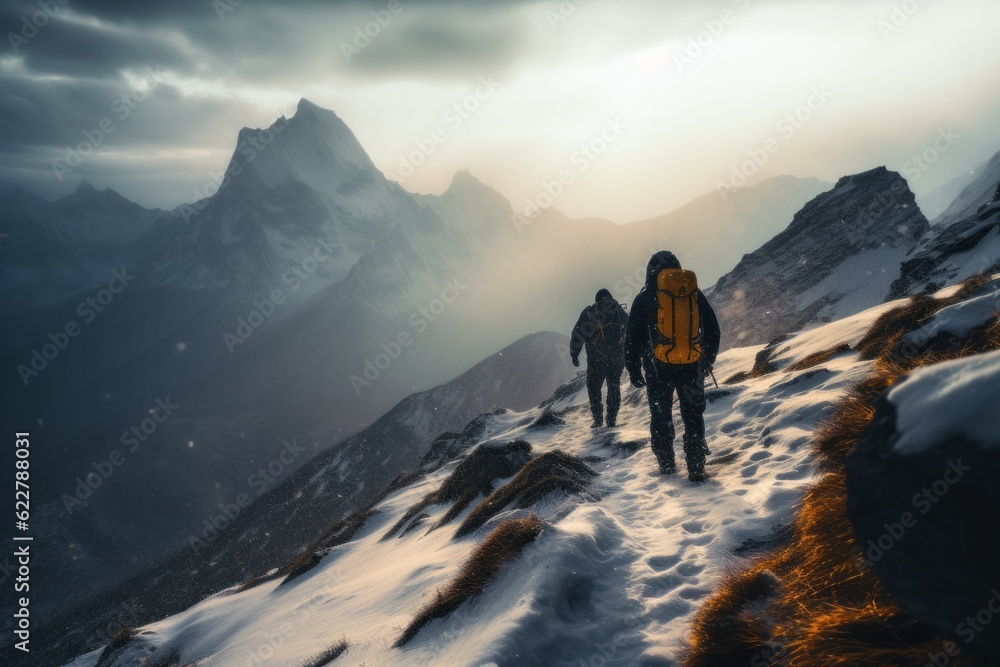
(609, 332)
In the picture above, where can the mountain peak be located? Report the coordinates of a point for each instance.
(86, 192)
(839, 255)
(308, 105)
(867, 202)
(314, 147)
(464, 180)
(879, 176)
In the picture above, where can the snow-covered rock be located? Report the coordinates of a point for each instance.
(948, 401)
(922, 499)
(960, 319)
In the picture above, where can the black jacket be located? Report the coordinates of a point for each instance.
(585, 331)
(641, 329)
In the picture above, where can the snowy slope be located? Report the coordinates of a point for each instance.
(979, 191)
(966, 242)
(617, 572)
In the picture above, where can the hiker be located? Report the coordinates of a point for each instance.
(671, 344)
(601, 328)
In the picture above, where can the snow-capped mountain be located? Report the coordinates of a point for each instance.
(966, 241)
(621, 558)
(980, 190)
(838, 256)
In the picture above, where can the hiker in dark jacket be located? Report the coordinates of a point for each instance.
(601, 328)
(671, 352)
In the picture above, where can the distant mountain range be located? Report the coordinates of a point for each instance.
(309, 295)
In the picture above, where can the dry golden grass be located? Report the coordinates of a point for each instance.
(823, 607)
(762, 364)
(472, 477)
(552, 471)
(817, 358)
(502, 544)
(884, 339)
(339, 533)
(890, 327)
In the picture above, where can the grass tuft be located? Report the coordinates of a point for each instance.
(339, 533)
(817, 358)
(502, 545)
(762, 364)
(472, 477)
(328, 655)
(552, 471)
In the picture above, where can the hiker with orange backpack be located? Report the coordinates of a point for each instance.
(601, 327)
(671, 343)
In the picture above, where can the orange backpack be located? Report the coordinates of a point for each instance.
(677, 321)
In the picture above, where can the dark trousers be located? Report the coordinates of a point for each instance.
(688, 382)
(599, 371)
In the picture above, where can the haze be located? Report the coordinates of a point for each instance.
(884, 79)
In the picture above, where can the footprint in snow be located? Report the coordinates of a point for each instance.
(800, 472)
(693, 593)
(661, 563)
(671, 609)
(731, 426)
(689, 568)
(694, 527)
(699, 541)
(657, 587)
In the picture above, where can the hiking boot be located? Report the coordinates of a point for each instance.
(611, 422)
(597, 423)
(667, 465)
(697, 477)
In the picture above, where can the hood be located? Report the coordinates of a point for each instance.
(659, 261)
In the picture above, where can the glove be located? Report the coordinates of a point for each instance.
(635, 377)
(576, 361)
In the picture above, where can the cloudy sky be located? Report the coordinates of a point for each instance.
(640, 106)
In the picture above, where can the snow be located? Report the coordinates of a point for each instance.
(947, 400)
(978, 192)
(856, 283)
(960, 319)
(615, 576)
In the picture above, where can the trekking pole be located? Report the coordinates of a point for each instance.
(711, 372)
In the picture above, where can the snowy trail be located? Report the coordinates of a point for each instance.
(615, 576)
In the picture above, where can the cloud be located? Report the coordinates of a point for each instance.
(227, 69)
